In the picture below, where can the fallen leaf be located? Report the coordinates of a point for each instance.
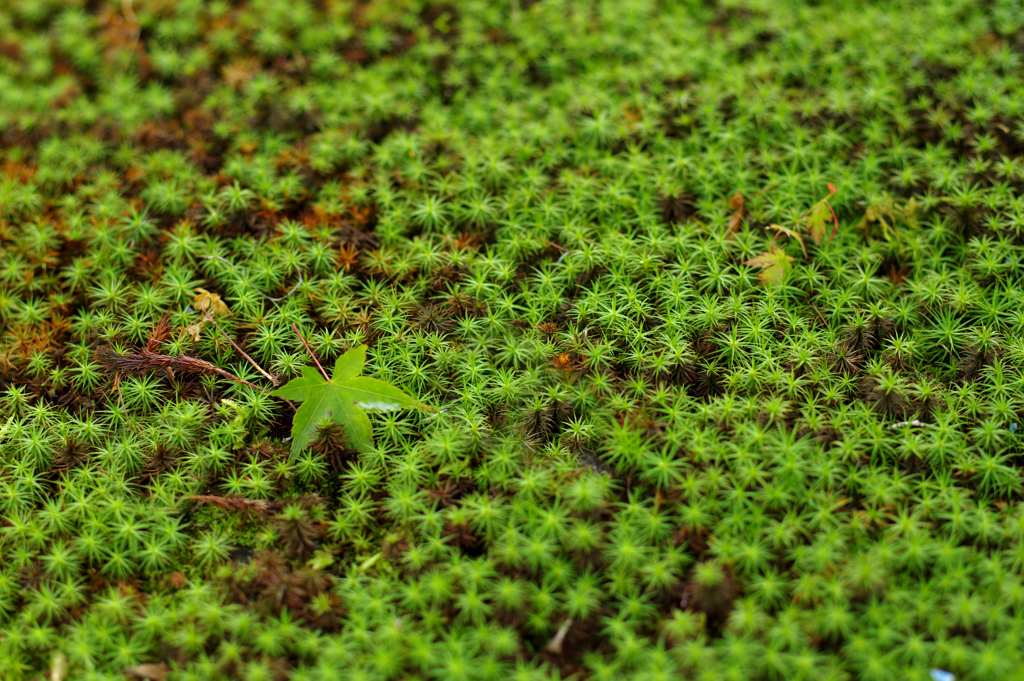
(791, 234)
(739, 211)
(775, 263)
(193, 329)
(818, 218)
(342, 400)
(205, 301)
(887, 214)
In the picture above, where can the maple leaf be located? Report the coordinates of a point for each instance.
(791, 234)
(887, 213)
(776, 265)
(343, 400)
(820, 215)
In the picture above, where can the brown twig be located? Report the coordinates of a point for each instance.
(369, 238)
(161, 332)
(310, 351)
(821, 318)
(249, 359)
(554, 245)
(117, 385)
(147, 360)
(234, 503)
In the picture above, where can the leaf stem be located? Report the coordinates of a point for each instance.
(310, 351)
(835, 219)
(251, 361)
(231, 377)
(820, 316)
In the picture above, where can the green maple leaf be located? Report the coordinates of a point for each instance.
(775, 263)
(818, 219)
(343, 400)
(820, 216)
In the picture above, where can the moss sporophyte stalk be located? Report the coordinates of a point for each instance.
(511, 340)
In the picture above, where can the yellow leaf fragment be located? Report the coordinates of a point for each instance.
(205, 301)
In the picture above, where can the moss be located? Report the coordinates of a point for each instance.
(719, 306)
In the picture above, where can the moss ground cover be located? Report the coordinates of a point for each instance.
(718, 308)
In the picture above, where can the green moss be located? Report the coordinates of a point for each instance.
(690, 421)
(245, 533)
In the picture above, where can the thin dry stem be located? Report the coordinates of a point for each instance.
(249, 359)
(310, 351)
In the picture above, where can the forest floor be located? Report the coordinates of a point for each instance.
(713, 314)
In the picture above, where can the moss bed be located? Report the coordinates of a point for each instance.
(720, 308)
